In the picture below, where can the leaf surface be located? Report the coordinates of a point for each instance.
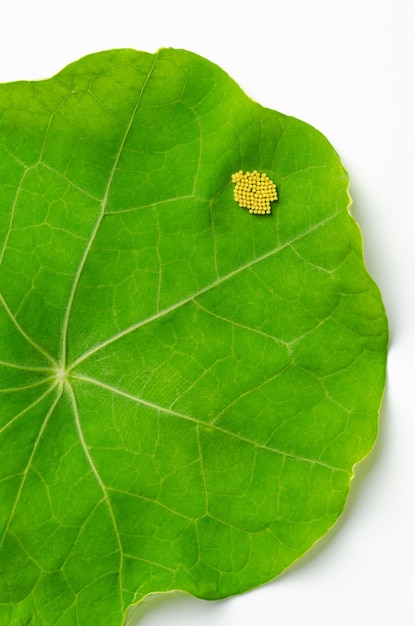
(185, 387)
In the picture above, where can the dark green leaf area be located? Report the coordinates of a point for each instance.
(185, 388)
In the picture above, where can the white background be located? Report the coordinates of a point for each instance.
(347, 67)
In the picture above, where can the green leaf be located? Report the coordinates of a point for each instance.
(186, 388)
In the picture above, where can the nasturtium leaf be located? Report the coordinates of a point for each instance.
(186, 387)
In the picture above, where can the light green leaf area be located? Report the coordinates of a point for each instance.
(185, 387)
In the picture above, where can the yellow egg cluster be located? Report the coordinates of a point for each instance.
(254, 191)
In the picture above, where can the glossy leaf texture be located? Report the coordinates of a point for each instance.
(185, 387)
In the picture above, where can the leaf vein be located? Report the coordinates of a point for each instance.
(98, 221)
(201, 423)
(24, 334)
(101, 484)
(31, 457)
(194, 296)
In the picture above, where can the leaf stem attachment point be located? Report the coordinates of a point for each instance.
(61, 375)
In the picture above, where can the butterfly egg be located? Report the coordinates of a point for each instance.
(254, 191)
